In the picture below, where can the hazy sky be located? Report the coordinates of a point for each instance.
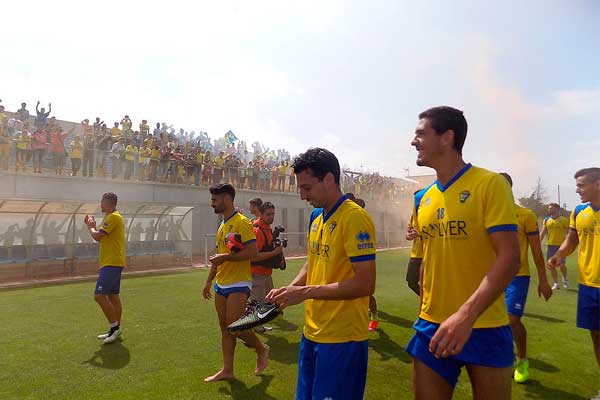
(348, 75)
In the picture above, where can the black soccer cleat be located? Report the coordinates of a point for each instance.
(257, 313)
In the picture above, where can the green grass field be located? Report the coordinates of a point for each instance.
(171, 342)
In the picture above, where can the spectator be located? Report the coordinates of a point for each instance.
(243, 171)
(143, 161)
(97, 126)
(165, 163)
(130, 152)
(115, 132)
(23, 147)
(250, 175)
(219, 164)
(292, 178)
(154, 161)
(144, 129)
(23, 113)
(198, 166)
(76, 150)
(207, 168)
(103, 145)
(126, 124)
(38, 147)
(274, 176)
(118, 155)
(42, 116)
(87, 128)
(89, 152)
(265, 177)
(281, 171)
(59, 152)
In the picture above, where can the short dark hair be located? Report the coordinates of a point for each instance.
(265, 206)
(223, 188)
(257, 202)
(110, 196)
(554, 205)
(444, 118)
(592, 174)
(508, 178)
(320, 161)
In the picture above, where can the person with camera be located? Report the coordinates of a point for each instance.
(270, 256)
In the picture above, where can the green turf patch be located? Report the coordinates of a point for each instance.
(171, 342)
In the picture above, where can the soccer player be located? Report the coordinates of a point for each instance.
(335, 284)
(585, 232)
(556, 226)
(516, 292)
(233, 280)
(468, 225)
(111, 236)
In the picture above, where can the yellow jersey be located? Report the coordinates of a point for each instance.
(24, 142)
(130, 152)
(527, 222)
(343, 236)
(219, 162)
(112, 245)
(585, 220)
(76, 148)
(155, 154)
(557, 229)
(234, 272)
(144, 155)
(115, 132)
(455, 222)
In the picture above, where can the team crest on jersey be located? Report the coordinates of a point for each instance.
(464, 195)
(332, 227)
(230, 227)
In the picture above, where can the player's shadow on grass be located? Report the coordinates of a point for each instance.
(535, 390)
(110, 356)
(239, 391)
(392, 319)
(388, 349)
(281, 350)
(542, 366)
(544, 318)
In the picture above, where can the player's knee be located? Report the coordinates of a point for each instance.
(99, 298)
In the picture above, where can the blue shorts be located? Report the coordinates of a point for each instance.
(109, 280)
(516, 295)
(551, 250)
(227, 291)
(332, 370)
(588, 307)
(489, 347)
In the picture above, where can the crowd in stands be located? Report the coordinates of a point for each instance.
(159, 154)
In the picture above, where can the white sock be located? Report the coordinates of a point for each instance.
(114, 324)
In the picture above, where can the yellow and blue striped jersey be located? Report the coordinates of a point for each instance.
(527, 222)
(343, 236)
(585, 219)
(455, 222)
(234, 271)
(557, 230)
